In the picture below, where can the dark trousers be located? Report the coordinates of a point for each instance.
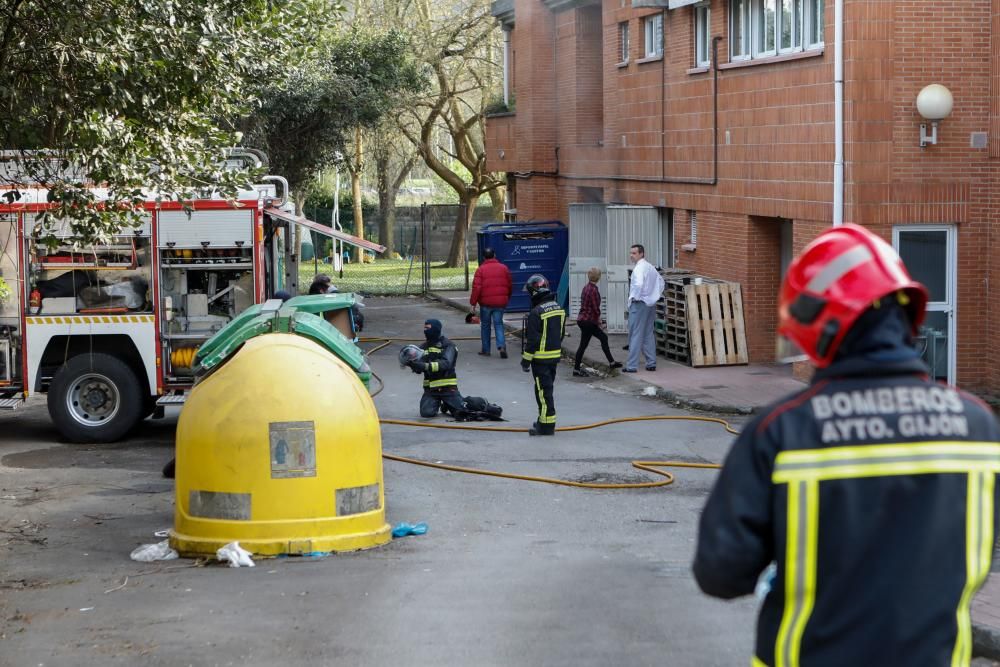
(545, 379)
(590, 330)
(445, 400)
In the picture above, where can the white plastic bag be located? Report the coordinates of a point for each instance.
(149, 553)
(235, 554)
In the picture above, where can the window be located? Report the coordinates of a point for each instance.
(653, 30)
(702, 36)
(761, 28)
(739, 29)
(623, 43)
(693, 217)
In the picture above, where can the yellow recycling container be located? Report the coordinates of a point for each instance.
(280, 450)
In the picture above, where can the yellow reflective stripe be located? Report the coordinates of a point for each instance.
(553, 313)
(978, 546)
(800, 570)
(434, 367)
(548, 354)
(433, 349)
(541, 400)
(449, 382)
(545, 338)
(878, 451)
(886, 460)
(527, 356)
(757, 662)
(858, 471)
(547, 420)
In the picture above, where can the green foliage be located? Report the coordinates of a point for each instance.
(496, 105)
(353, 80)
(134, 94)
(324, 200)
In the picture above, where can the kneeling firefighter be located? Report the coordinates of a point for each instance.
(872, 491)
(436, 359)
(543, 334)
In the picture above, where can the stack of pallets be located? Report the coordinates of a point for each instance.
(701, 324)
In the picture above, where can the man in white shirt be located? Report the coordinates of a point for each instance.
(644, 291)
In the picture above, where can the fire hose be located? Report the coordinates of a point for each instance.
(653, 467)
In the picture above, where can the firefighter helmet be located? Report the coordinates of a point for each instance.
(409, 353)
(537, 284)
(838, 276)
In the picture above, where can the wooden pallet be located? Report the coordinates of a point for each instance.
(716, 329)
(672, 336)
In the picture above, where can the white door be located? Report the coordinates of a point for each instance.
(929, 252)
(588, 237)
(627, 226)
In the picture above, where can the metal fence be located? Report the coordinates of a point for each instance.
(421, 242)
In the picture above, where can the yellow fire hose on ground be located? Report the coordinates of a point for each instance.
(654, 467)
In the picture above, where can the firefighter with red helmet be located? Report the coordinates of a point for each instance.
(544, 329)
(870, 496)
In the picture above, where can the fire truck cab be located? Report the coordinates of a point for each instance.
(109, 332)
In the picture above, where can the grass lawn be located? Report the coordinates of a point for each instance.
(387, 276)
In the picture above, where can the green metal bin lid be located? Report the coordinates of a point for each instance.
(301, 315)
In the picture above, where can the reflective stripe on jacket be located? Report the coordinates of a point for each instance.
(440, 358)
(875, 496)
(544, 331)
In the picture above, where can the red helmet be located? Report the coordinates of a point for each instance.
(833, 281)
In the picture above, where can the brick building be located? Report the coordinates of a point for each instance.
(622, 102)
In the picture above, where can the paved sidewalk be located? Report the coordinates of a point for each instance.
(732, 389)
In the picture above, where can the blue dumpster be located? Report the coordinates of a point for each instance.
(527, 249)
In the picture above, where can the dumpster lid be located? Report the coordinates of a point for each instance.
(545, 225)
(301, 315)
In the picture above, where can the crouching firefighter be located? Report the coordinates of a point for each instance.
(544, 329)
(872, 492)
(436, 359)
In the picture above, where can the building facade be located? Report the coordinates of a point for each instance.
(722, 114)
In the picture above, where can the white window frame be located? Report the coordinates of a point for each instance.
(741, 8)
(805, 18)
(623, 42)
(652, 30)
(702, 35)
(813, 16)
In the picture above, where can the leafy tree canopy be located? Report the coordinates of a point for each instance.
(133, 94)
(353, 79)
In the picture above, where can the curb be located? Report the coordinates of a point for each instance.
(985, 641)
(661, 393)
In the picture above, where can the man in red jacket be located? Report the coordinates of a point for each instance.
(491, 288)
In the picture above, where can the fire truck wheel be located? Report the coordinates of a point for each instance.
(95, 398)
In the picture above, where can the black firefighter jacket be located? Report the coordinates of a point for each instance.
(440, 357)
(874, 492)
(544, 331)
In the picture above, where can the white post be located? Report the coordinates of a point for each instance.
(838, 113)
(506, 68)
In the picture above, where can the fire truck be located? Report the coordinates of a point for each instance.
(109, 331)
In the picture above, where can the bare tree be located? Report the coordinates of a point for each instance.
(459, 45)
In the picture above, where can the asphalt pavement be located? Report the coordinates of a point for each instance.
(510, 572)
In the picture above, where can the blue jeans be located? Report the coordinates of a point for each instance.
(487, 316)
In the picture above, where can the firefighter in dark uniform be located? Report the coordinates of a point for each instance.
(869, 498)
(543, 334)
(438, 366)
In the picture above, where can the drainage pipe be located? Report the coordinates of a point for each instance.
(838, 113)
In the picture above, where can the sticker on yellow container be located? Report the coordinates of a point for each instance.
(293, 449)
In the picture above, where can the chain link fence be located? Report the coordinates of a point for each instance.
(422, 239)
